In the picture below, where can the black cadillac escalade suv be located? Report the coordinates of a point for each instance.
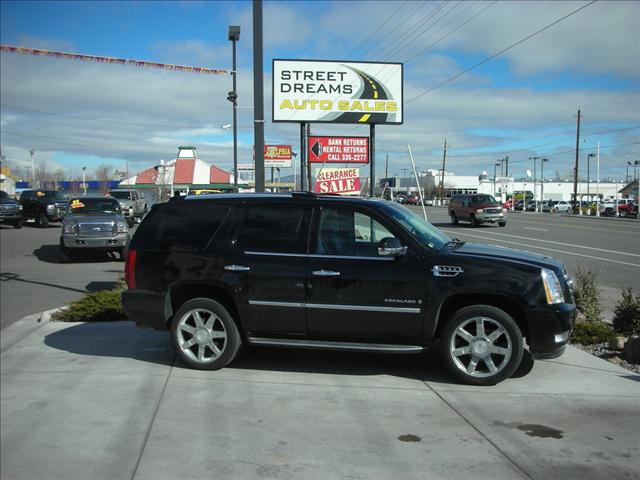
(327, 272)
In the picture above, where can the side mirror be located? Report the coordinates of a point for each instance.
(391, 247)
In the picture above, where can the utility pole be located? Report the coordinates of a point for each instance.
(575, 168)
(258, 96)
(444, 160)
(507, 163)
(33, 169)
(234, 36)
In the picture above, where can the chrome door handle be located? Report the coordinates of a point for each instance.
(326, 273)
(236, 268)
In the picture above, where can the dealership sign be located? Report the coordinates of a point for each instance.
(338, 150)
(338, 180)
(277, 156)
(337, 92)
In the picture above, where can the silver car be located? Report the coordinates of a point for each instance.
(94, 223)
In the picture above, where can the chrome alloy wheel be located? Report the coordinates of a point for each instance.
(481, 347)
(201, 335)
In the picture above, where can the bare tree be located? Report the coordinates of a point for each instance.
(103, 175)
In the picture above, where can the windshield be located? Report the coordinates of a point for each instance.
(94, 205)
(418, 227)
(51, 195)
(120, 195)
(480, 199)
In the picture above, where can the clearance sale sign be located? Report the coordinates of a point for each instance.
(318, 91)
(343, 181)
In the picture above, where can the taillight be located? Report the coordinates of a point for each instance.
(130, 270)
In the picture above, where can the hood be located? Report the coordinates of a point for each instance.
(486, 205)
(509, 254)
(93, 217)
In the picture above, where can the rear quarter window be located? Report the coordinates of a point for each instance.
(183, 227)
(280, 228)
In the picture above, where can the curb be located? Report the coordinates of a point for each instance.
(22, 328)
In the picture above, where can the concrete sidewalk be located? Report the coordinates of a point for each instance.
(109, 401)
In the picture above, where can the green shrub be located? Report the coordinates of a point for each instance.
(588, 294)
(102, 306)
(626, 318)
(592, 332)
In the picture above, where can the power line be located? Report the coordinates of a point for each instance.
(379, 28)
(451, 32)
(497, 54)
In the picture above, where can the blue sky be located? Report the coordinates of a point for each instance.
(527, 97)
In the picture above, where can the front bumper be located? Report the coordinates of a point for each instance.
(490, 217)
(96, 243)
(549, 329)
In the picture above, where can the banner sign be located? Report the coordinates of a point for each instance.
(338, 149)
(277, 156)
(338, 180)
(337, 92)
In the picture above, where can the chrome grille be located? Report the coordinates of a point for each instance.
(10, 207)
(493, 210)
(101, 229)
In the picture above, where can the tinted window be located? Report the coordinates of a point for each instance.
(479, 199)
(119, 195)
(275, 228)
(345, 232)
(188, 228)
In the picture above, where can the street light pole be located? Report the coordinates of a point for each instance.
(542, 178)
(589, 157)
(33, 169)
(494, 176)
(84, 179)
(234, 36)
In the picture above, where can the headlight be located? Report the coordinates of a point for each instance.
(480, 210)
(51, 208)
(20, 207)
(122, 227)
(69, 227)
(552, 287)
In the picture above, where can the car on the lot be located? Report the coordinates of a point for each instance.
(43, 206)
(477, 208)
(412, 200)
(547, 205)
(10, 210)
(610, 207)
(333, 273)
(94, 223)
(629, 210)
(132, 203)
(562, 206)
(401, 198)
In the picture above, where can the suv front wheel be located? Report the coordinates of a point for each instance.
(481, 345)
(204, 334)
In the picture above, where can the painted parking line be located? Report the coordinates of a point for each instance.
(534, 228)
(536, 247)
(563, 243)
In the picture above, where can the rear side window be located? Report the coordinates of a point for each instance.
(275, 229)
(189, 227)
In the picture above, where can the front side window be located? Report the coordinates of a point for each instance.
(345, 232)
(482, 199)
(120, 195)
(280, 228)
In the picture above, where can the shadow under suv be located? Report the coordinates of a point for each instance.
(326, 272)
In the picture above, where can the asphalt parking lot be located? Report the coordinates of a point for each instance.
(109, 401)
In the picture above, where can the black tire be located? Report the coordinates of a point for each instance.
(499, 346)
(18, 223)
(622, 214)
(473, 220)
(608, 212)
(221, 333)
(121, 255)
(454, 219)
(130, 221)
(502, 224)
(42, 221)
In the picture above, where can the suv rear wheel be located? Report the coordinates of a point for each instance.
(204, 334)
(42, 221)
(481, 345)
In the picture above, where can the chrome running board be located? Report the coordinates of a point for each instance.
(325, 345)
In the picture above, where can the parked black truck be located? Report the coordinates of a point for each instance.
(44, 206)
(10, 210)
(326, 272)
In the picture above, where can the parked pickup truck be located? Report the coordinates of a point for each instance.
(132, 204)
(609, 209)
(43, 206)
(10, 210)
